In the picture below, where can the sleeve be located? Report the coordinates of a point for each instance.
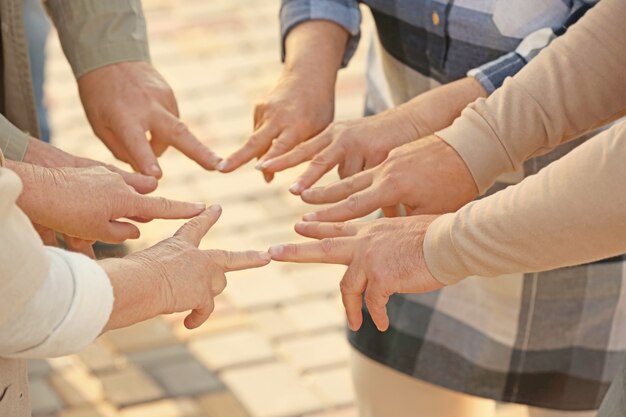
(570, 88)
(66, 314)
(571, 212)
(492, 74)
(96, 33)
(345, 13)
(13, 142)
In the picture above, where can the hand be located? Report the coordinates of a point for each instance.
(175, 276)
(354, 145)
(86, 203)
(427, 176)
(45, 155)
(295, 110)
(384, 257)
(124, 101)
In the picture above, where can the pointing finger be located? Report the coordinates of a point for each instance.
(256, 145)
(318, 230)
(194, 230)
(301, 153)
(319, 165)
(339, 190)
(357, 205)
(237, 261)
(330, 250)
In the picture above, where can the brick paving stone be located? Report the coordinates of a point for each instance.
(233, 348)
(151, 333)
(43, 398)
(273, 323)
(309, 352)
(262, 288)
(185, 378)
(183, 407)
(343, 412)
(314, 315)
(130, 386)
(316, 279)
(100, 356)
(271, 390)
(222, 404)
(334, 386)
(160, 355)
(77, 386)
(92, 410)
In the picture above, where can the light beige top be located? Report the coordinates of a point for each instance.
(572, 212)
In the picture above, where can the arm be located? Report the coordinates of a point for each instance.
(301, 104)
(572, 87)
(96, 33)
(569, 213)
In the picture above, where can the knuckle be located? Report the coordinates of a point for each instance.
(339, 227)
(179, 128)
(353, 202)
(346, 286)
(328, 245)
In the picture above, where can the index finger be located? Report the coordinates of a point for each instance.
(319, 165)
(238, 261)
(256, 145)
(148, 208)
(330, 251)
(166, 127)
(194, 230)
(339, 190)
(357, 205)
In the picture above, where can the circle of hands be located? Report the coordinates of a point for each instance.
(386, 161)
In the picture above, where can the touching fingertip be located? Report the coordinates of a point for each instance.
(309, 217)
(266, 256)
(276, 250)
(154, 170)
(200, 206)
(222, 166)
(215, 208)
(296, 188)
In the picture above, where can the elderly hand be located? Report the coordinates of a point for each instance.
(124, 101)
(86, 203)
(384, 257)
(175, 276)
(295, 110)
(353, 145)
(45, 155)
(427, 176)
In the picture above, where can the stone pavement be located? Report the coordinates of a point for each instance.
(275, 346)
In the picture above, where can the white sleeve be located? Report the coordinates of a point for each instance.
(66, 314)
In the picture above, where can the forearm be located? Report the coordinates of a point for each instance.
(569, 213)
(556, 97)
(136, 298)
(314, 50)
(436, 109)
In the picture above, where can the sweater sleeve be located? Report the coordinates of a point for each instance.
(574, 86)
(96, 33)
(571, 212)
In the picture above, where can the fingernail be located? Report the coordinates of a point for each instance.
(265, 256)
(276, 250)
(309, 217)
(295, 188)
(305, 193)
(200, 206)
(154, 169)
(222, 165)
(215, 207)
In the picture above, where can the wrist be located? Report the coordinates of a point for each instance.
(137, 294)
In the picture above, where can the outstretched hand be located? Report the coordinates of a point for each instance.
(384, 257)
(426, 176)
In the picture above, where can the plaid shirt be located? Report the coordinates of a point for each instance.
(438, 38)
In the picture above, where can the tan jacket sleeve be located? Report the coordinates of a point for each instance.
(13, 142)
(572, 87)
(571, 212)
(96, 33)
(23, 261)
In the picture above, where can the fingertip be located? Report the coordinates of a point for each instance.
(154, 170)
(216, 208)
(266, 257)
(222, 166)
(296, 188)
(276, 252)
(309, 217)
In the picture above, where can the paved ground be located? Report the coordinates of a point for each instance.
(275, 346)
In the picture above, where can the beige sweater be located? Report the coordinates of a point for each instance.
(572, 212)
